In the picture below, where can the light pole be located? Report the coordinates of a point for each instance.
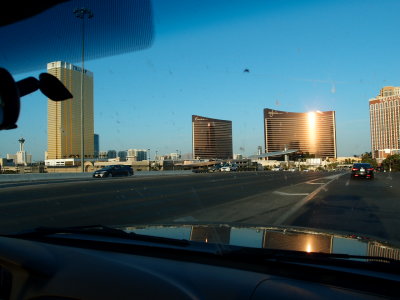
(148, 158)
(80, 13)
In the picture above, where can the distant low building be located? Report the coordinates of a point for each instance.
(62, 162)
(259, 150)
(242, 163)
(117, 159)
(103, 154)
(122, 155)
(175, 156)
(136, 155)
(111, 154)
(314, 161)
(238, 156)
(5, 162)
(348, 159)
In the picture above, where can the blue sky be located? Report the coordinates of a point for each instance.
(302, 56)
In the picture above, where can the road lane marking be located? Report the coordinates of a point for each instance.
(333, 176)
(290, 194)
(315, 182)
(282, 219)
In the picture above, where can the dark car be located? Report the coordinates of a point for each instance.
(199, 170)
(362, 170)
(215, 168)
(115, 170)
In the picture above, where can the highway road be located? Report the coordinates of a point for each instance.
(323, 200)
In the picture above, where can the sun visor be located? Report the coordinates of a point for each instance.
(55, 33)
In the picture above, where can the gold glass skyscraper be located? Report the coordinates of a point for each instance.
(212, 138)
(64, 117)
(310, 132)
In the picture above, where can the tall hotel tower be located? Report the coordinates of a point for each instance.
(212, 138)
(64, 117)
(312, 132)
(384, 112)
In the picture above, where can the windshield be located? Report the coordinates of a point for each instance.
(362, 165)
(250, 113)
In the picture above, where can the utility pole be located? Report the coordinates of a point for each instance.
(81, 13)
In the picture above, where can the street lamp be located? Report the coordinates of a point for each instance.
(80, 13)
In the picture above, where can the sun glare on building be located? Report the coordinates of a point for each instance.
(311, 119)
(312, 131)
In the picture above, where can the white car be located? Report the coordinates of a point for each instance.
(229, 168)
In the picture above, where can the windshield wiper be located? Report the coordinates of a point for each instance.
(95, 230)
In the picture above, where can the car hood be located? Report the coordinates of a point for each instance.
(282, 238)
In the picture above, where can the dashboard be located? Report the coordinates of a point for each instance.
(40, 270)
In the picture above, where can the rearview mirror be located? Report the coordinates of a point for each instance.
(11, 92)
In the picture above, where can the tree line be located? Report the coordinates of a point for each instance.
(390, 163)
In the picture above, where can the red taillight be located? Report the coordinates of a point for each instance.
(354, 169)
(370, 169)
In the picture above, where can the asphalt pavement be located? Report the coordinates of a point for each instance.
(369, 207)
(327, 200)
